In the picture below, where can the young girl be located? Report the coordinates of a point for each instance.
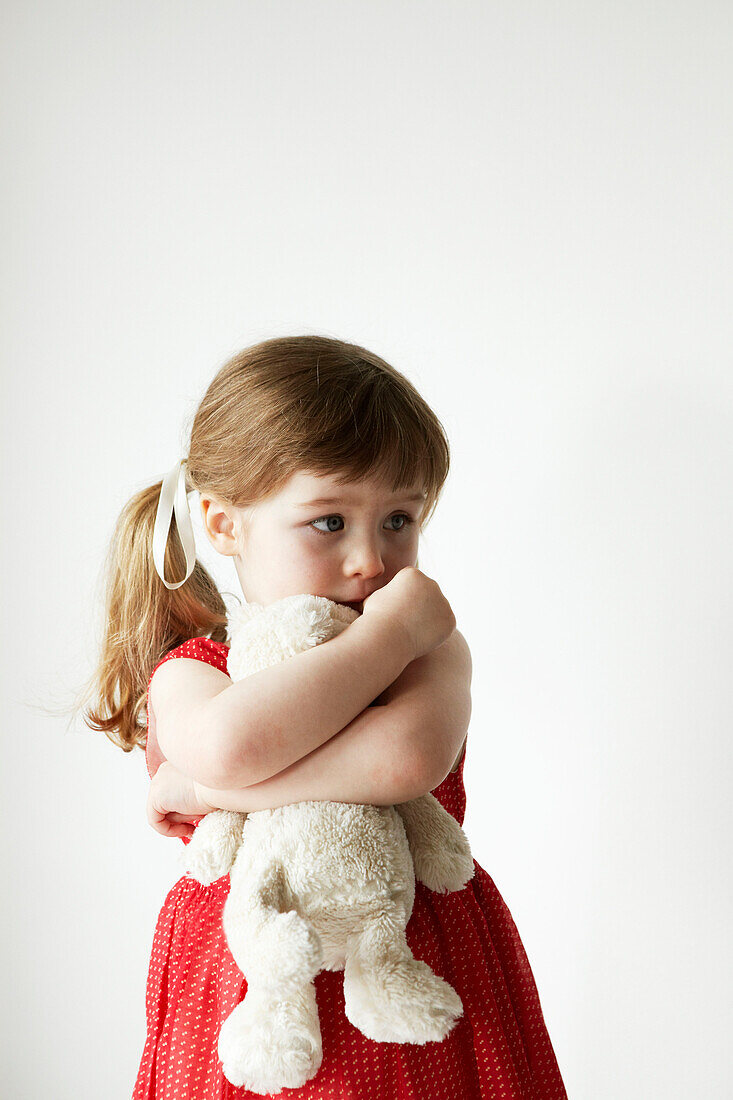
(318, 465)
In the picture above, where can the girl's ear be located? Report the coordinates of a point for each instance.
(219, 526)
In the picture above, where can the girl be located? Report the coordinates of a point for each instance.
(318, 466)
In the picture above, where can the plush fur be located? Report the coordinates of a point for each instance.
(322, 885)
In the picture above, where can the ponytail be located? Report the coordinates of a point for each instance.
(144, 619)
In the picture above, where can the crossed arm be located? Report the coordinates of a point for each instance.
(390, 753)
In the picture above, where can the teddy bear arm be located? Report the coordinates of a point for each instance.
(428, 825)
(439, 847)
(211, 850)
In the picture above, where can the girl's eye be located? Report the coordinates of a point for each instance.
(334, 530)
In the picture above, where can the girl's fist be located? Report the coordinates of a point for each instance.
(416, 602)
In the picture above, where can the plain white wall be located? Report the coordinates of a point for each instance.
(525, 208)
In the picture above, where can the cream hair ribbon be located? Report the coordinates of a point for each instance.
(173, 497)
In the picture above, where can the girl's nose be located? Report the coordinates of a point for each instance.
(364, 560)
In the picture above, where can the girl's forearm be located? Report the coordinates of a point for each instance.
(372, 761)
(284, 712)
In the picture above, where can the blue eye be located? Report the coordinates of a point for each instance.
(333, 531)
(324, 519)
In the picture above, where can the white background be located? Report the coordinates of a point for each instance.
(524, 207)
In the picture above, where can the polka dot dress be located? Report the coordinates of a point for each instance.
(499, 1049)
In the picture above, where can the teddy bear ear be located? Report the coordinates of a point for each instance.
(304, 603)
(341, 613)
(315, 614)
(305, 620)
(319, 607)
(241, 614)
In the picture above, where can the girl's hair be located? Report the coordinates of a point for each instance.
(287, 404)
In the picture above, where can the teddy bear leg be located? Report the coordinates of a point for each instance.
(270, 942)
(391, 996)
(270, 1042)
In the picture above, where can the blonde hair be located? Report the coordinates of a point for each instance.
(287, 404)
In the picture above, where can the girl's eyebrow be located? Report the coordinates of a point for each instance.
(319, 501)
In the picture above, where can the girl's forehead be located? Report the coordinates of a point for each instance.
(305, 488)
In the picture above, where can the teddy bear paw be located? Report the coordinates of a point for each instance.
(266, 1045)
(413, 1006)
(212, 849)
(445, 871)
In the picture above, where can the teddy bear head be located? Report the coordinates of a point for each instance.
(261, 635)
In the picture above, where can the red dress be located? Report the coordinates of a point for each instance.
(498, 1048)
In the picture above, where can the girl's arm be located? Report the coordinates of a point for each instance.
(387, 754)
(228, 734)
(352, 767)
(371, 761)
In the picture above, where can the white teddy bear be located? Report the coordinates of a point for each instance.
(322, 885)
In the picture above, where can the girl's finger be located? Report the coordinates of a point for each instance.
(173, 828)
(186, 819)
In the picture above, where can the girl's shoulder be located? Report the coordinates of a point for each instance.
(197, 649)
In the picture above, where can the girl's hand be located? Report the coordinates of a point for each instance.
(174, 802)
(415, 602)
